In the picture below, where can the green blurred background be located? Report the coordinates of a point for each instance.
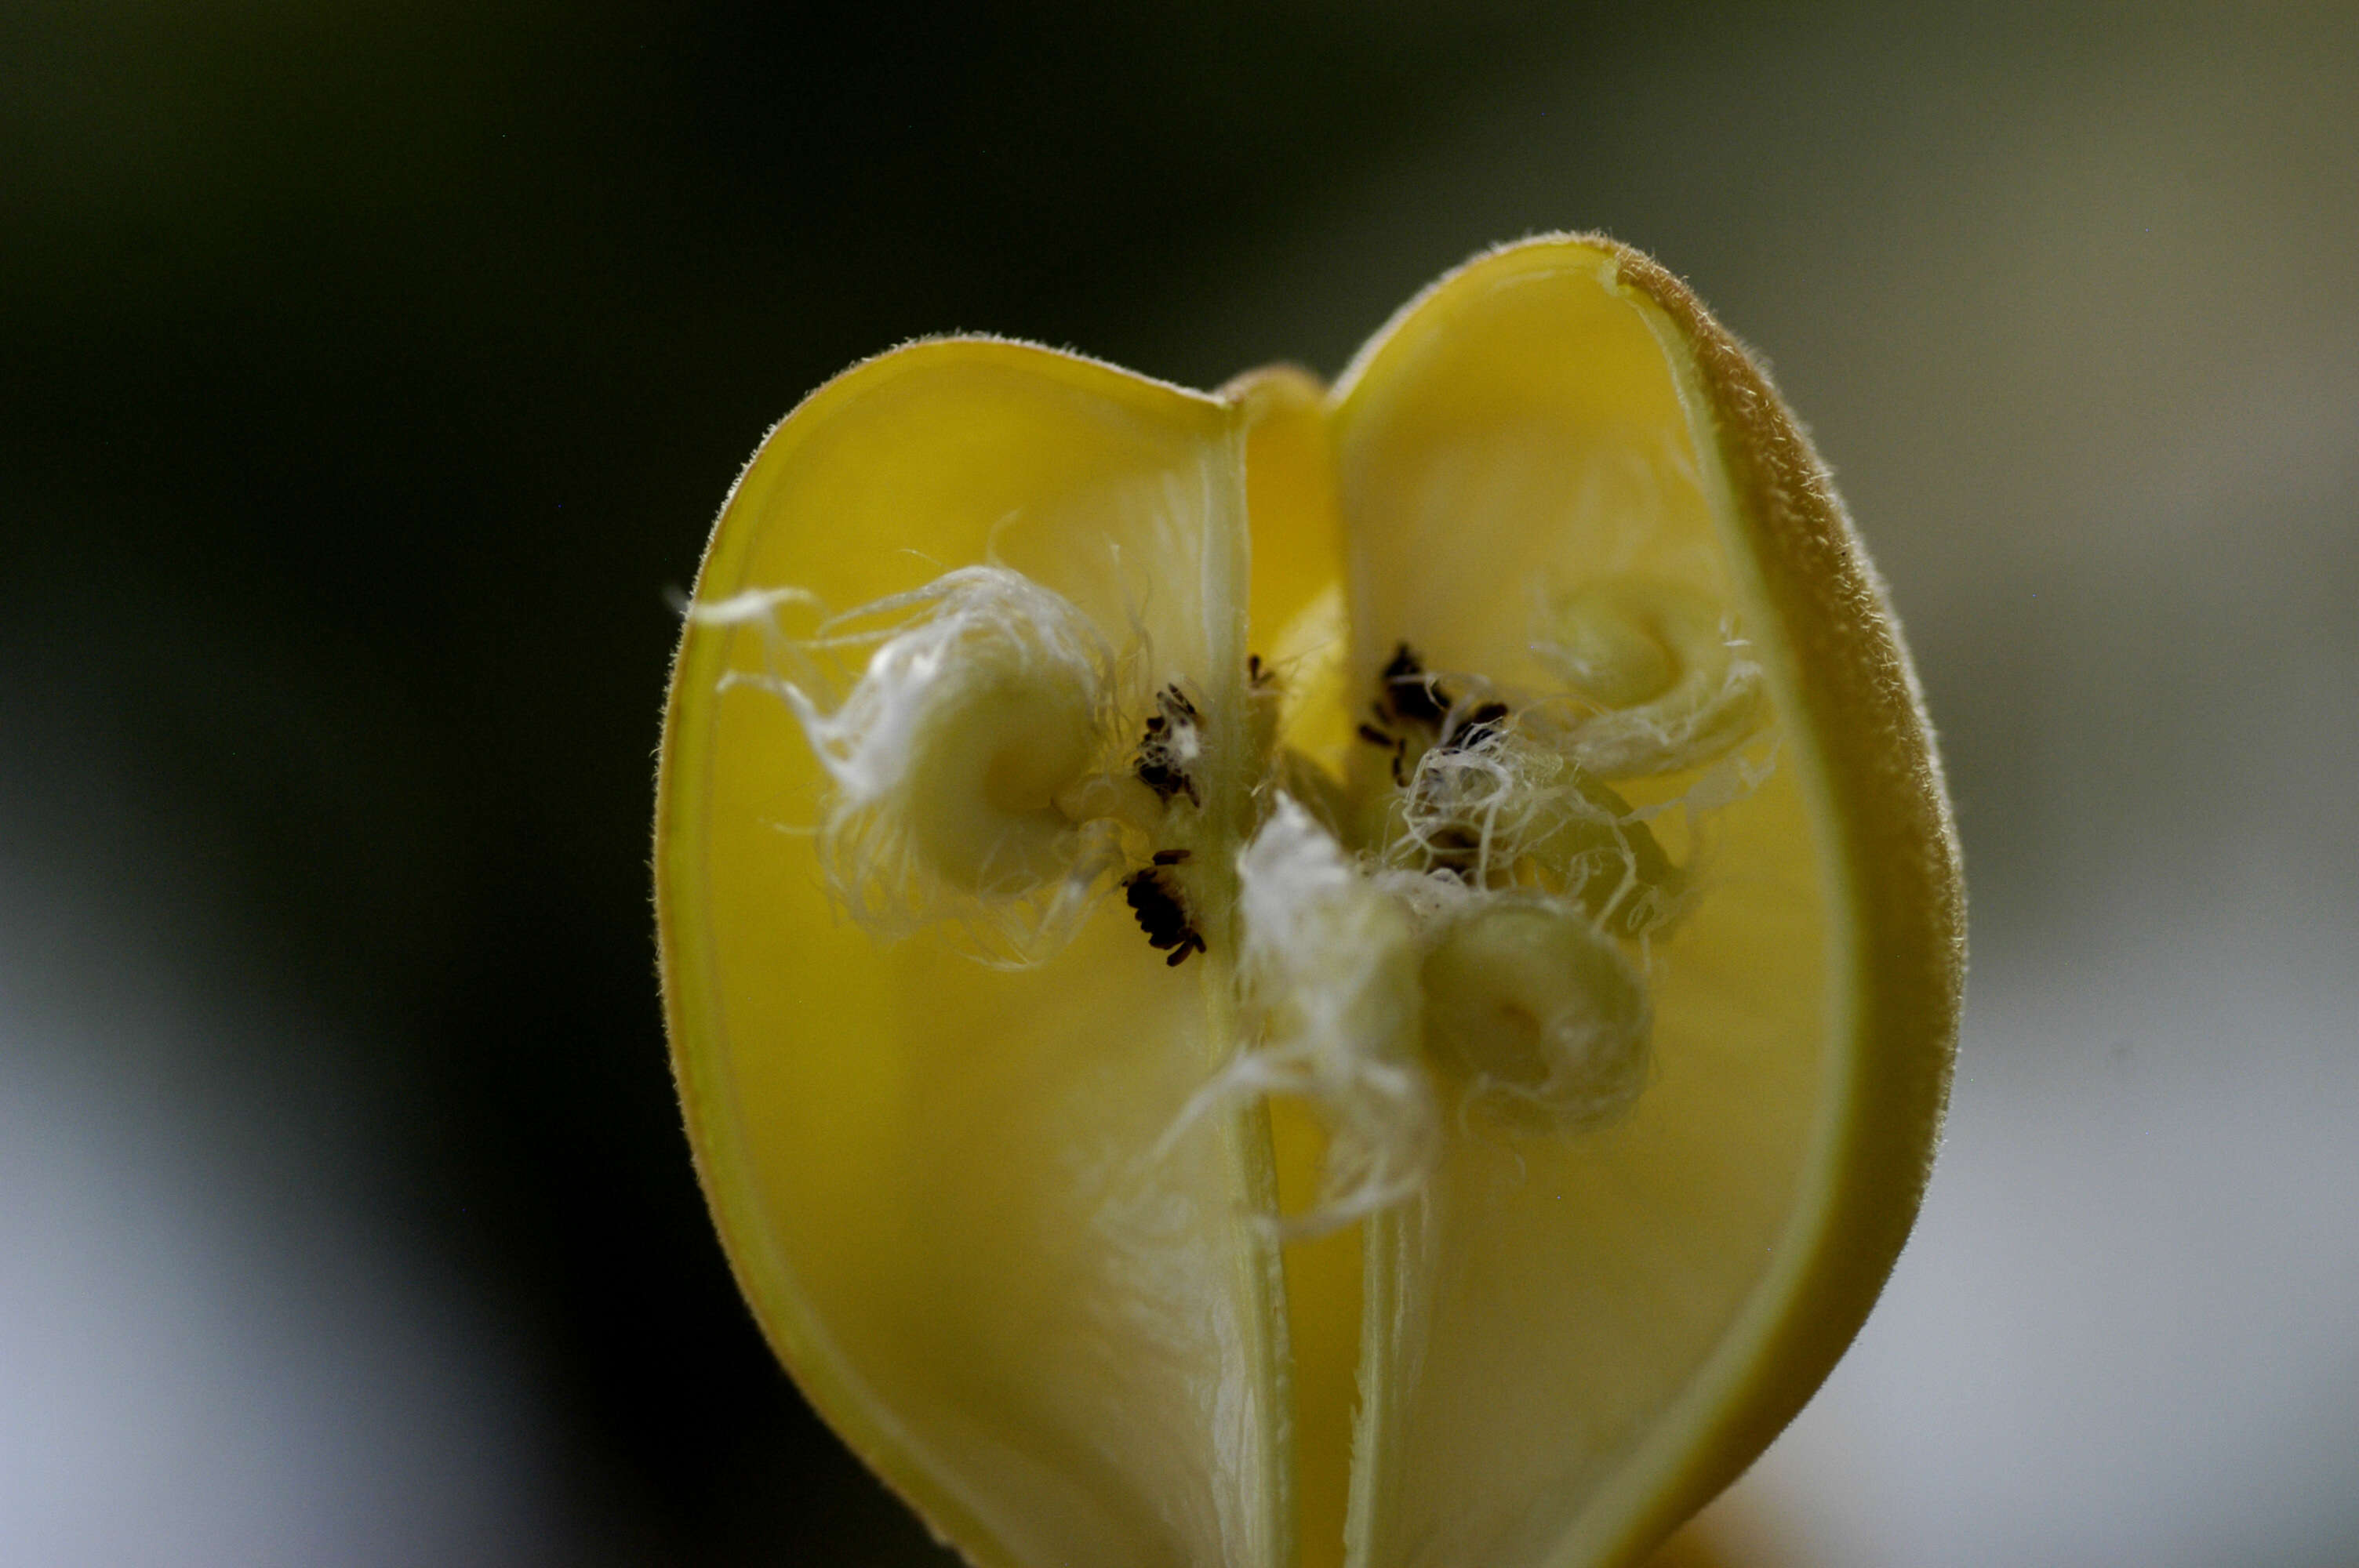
(369, 376)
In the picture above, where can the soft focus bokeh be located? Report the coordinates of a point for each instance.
(369, 374)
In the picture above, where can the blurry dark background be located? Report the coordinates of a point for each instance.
(370, 373)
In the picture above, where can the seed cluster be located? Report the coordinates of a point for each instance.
(1155, 897)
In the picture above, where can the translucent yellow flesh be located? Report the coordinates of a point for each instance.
(937, 1180)
(1549, 1304)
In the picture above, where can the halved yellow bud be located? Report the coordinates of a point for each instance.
(1476, 924)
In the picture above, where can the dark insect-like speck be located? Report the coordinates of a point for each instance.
(1409, 694)
(1162, 910)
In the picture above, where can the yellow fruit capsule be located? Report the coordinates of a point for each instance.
(1298, 978)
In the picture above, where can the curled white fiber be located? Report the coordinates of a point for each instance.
(1500, 803)
(1537, 1014)
(984, 696)
(1328, 977)
(966, 628)
(1665, 681)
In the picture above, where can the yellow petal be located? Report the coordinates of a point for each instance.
(941, 1183)
(1580, 1340)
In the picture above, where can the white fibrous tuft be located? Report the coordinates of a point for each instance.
(978, 629)
(984, 697)
(1430, 898)
(1664, 682)
(1497, 803)
(1477, 808)
(1536, 1013)
(1328, 979)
